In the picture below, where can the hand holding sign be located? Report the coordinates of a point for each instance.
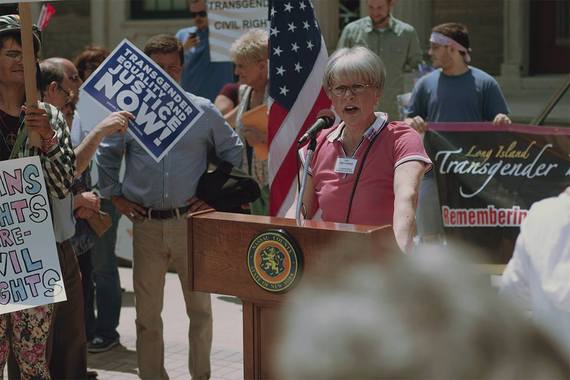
(417, 123)
(115, 122)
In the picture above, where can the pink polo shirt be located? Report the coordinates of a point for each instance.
(373, 202)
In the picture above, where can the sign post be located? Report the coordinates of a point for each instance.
(29, 61)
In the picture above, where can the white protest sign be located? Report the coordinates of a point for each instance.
(129, 80)
(29, 266)
(229, 19)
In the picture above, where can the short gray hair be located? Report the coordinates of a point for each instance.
(356, 62)
(251, 46)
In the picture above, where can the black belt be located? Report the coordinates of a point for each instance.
(166, 214)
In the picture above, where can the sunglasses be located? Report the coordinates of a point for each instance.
(198, 14)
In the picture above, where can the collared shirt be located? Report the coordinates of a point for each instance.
(172, 181)
(58, 162)
(200, 76)
(373, 204)
(537, 277)
(63, 219)
(399, 48)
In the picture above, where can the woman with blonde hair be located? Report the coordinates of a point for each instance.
(250, 56)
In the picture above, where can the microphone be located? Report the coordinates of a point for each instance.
(325, 120)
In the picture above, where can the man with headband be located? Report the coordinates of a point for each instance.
(394, 41)
(456, 92)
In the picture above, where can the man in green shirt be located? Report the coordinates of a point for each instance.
(394, 41)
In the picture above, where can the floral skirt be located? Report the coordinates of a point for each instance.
(28, 331)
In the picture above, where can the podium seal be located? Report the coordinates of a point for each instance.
(274, 260)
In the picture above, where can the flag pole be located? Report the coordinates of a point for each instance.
(29, 61)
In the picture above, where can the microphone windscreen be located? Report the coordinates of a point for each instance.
(328, 114)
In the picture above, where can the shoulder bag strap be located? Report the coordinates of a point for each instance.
(358, 174)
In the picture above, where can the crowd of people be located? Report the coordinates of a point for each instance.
(371, 168)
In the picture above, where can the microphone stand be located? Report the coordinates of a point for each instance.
(308, 157)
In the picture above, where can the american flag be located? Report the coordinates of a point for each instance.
(297, 59)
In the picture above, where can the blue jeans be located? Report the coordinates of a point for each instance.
(106, 280)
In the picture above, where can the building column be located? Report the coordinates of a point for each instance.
(516, 41)
(419, 15)
(327, 14)
(99, 22)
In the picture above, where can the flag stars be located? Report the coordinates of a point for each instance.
(274, 31)
(306, 25)
(277, 51)
(310, 45)
(288, 7)
(302, 5)
(280, 70)
(294, 47)
(291, 27)
(273, 11)
(283, 90)
(298, 67)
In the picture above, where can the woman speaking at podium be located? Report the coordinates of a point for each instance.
(367, 170)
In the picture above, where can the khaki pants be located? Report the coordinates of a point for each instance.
(156, 243)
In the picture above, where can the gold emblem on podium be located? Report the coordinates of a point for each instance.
(274, 260)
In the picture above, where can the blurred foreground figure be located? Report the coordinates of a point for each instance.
(538, 275)
(416, 317)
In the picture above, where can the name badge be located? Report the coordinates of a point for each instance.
(345, 165)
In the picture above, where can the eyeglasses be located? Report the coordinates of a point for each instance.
(198, 14)
(66, 92)
(14, 55)
(355, 89)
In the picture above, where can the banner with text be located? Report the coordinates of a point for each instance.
(229, 19)
(29, 266)
(489, 176)
(129, 80)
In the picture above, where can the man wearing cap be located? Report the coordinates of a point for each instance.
(30, 327)
(395, 42)
(201, 76)
(156, 196)
(455, 92)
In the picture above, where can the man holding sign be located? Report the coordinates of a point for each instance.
(454, 92)
(157, 193)
(201, 76)
(30, 327)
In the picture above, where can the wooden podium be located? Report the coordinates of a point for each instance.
(218, 249)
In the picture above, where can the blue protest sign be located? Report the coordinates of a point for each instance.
(129, 80)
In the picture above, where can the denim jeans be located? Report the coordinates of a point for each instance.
(86, 268)
(106, 279)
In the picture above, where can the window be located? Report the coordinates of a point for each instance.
(158, 9)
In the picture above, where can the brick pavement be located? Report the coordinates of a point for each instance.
(227, 352)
